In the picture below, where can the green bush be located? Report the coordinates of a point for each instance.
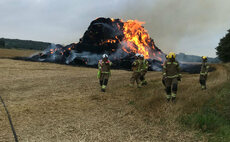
(223, 49)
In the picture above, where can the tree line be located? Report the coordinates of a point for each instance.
(23, 44)
(223, 49)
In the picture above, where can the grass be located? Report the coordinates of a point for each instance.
(52, 102)
(213, 118)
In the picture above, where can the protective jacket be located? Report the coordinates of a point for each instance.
(145, 65)
(104, 67)
(204, 69)
(171, 69)
(136, 66)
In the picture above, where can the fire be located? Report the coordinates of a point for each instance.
(61, 50)
(110, 34)
(108, 41)
(137, 38)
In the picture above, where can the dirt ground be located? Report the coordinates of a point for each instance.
(52, 102)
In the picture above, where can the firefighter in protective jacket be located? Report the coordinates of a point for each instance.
(204, 72)
(144, 69)
(136, 67)
(171, 73)
(104, 71)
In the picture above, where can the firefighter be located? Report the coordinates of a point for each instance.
(163, 78)
(204, 72)
(104, 71)
(144, 69)
(171, 73)
(136, 67)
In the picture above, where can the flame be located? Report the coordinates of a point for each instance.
(137, 38)
(108, 41)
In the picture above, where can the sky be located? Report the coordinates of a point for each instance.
(188, 26)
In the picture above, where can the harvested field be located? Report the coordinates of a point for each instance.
(52, 102)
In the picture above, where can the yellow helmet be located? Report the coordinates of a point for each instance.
(204, 57)
(171, 55)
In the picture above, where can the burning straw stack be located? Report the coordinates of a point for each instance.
(121, 40)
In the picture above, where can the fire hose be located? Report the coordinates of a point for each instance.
(9, 118)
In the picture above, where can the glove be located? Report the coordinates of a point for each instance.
(98, 74)
(134, 64)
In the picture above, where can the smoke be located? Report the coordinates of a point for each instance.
(172, 22)
(55, 56)
(91, 59)
(88, 57)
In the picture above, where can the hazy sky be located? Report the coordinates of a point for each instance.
(189, 26)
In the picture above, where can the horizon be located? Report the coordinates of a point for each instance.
(71, 43)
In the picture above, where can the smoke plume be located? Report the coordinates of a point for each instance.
(176, 23)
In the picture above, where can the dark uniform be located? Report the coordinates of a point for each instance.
(171, 73)
(144, 69)
(163, 78)
(104, 73)
(204, 74)
(136, 67)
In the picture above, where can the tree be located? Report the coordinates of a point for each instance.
(223, 49)
(2, 43)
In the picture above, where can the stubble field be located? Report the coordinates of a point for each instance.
(53, 102)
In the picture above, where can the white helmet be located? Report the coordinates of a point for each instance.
(105, 56)
(142, 56)
(137, 55)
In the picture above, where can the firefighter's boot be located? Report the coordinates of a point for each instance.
(103, 88)
(203, 87)
(144, 82)
(173, 97)
(168, 97)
